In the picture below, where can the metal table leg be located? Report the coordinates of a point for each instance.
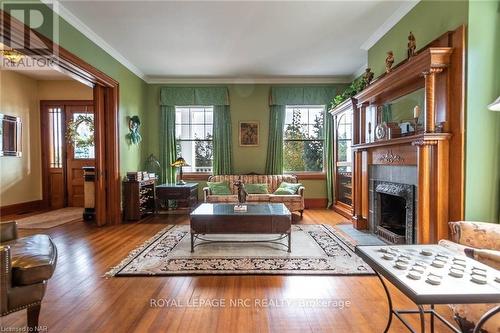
(192, 242)
(389, 300)
(289, 242)
(422, 318)
(432, 318)
(485, 318)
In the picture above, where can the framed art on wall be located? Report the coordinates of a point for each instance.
(249, 133)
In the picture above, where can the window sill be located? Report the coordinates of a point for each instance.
(199, 176)
(310, 175)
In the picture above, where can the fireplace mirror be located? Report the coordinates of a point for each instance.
(10, 136)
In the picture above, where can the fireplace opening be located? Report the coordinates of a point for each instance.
(393, 213)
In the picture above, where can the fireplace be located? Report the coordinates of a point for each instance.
(395, 212)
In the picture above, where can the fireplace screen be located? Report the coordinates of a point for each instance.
(395, 212)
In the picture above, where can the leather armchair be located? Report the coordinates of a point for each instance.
(26, 265)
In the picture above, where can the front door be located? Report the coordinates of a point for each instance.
(80, 152)
(63, 158)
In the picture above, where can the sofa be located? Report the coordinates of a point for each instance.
(294, 202)
(480, 241)
(26, 265)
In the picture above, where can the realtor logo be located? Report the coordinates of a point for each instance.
(18, 42)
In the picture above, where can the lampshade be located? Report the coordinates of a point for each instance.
(179, 162)
(495, 106)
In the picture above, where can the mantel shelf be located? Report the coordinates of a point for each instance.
(411, 139)
(432, 59)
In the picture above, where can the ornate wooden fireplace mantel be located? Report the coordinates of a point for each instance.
(433, 148)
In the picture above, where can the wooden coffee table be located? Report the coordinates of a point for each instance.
(216, 218)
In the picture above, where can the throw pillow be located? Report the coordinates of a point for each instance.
(219, 188)
(288, 188)
(256, 188)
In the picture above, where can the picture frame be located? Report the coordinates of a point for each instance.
(248, 133)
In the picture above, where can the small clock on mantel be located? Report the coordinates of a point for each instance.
(381, 132)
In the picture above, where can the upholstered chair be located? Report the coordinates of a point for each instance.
(480, 241)
(26, 263)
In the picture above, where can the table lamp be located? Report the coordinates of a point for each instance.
(179, 163)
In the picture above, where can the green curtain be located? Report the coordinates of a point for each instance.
(329, 164)
(168, 152)
(222, 141)
(274, 161)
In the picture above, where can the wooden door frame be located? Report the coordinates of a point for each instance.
(106, 94)
(44, 130)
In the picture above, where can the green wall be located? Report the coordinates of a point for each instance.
(430, 19)
(427, 20)
(132, 88)
(248, 102)
(482, 195)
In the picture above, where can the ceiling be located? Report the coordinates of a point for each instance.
(168, 40)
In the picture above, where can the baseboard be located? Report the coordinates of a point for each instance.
(316, 203)
(21, 208)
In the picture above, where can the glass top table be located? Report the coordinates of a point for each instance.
(265, 218)
(275, 209)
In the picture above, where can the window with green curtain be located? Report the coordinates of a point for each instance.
(315, 95)
(215, 97)
(168, 152)
(222, 138)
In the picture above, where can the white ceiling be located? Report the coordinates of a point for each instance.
(169, 40)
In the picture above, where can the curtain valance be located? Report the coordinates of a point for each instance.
(302, 95)
(183, 96)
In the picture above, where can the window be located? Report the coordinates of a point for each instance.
(193, 128)
(303, 139)
(55, 137)
(85, 132)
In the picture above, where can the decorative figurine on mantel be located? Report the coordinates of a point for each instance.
(242, 196)
(368, 76)
(412, 45)
(389, 61)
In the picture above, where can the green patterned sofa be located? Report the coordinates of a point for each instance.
(292, 202)
(481, 241)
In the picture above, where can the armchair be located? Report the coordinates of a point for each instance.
(480, 241)
(26, 265)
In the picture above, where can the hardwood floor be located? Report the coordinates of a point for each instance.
(79, 299)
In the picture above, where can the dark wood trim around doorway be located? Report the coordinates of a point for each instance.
(105, 105)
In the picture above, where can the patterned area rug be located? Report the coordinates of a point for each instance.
(51, 219)
(316, 250)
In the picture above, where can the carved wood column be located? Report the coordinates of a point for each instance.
(432, 189)
(358, 221)
(430, 113)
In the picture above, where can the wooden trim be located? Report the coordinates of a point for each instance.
(108, 210)
(403, 140)
(22, 208)
(196, 176)
(315, 203)
(311, 176)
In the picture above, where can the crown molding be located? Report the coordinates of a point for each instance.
(69, 17)
(249, 80)
(404, 9)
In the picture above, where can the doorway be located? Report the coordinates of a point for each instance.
(67, 137)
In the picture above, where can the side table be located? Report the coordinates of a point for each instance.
(186, 195)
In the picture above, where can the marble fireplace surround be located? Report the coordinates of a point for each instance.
(404, 175)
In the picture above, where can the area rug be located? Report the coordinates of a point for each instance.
(316, 250)
(51, 219)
